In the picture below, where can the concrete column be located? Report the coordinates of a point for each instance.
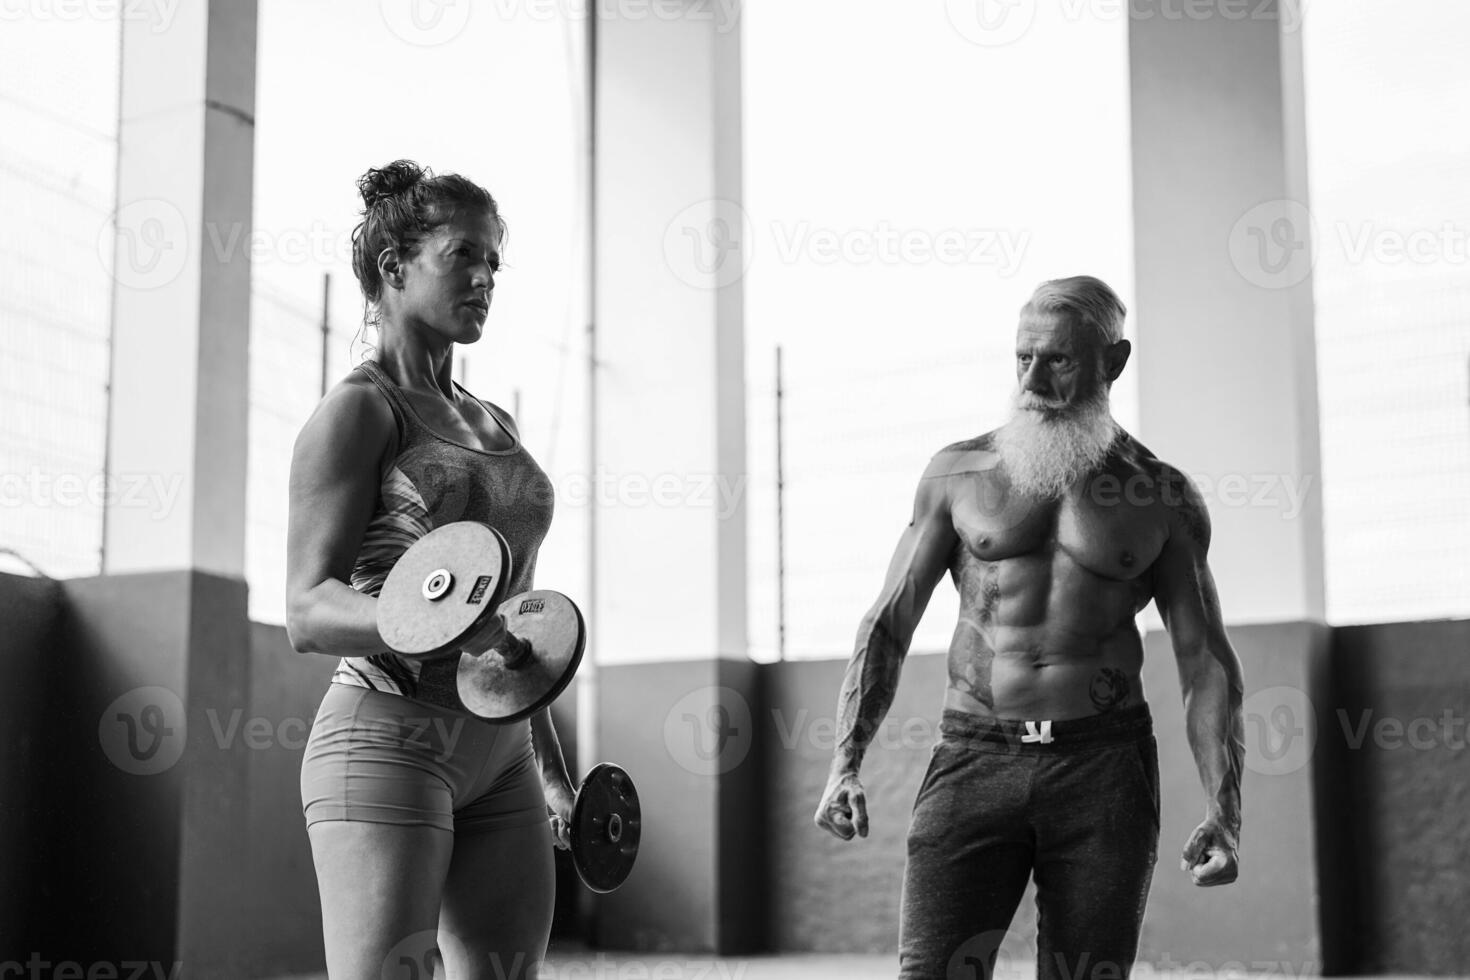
(671, 243)
(166, 626)
(669, 253)
(1227, 392)
(1226, 353)
(181, 303)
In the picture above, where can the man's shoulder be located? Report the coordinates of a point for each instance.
(1163, 474)
(1171, 489)
(975, 455)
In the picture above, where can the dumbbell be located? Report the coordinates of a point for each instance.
(447, 594)
(606, 827)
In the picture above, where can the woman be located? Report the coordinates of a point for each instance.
(422, 818)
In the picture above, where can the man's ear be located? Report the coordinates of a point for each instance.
(390, 268)
(1114, 357)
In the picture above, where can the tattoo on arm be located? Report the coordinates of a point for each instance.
(1109, 688)
(1183, 498)
(867, 693)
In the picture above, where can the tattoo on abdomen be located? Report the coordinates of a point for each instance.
(989, 594)
(975, 679)
(1109, 688)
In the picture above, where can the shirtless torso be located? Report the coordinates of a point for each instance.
(1049, 588)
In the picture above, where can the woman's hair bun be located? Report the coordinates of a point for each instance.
(389, 181)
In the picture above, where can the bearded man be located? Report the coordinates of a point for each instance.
(1057, 530)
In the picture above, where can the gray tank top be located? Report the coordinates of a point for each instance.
(432, 482)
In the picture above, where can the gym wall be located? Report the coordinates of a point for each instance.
(1350, 853)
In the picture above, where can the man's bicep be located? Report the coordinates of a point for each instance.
(1186, 597)
(920, 560)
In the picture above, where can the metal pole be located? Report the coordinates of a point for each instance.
(326, 325)
(780, 518)
(587, 679)
(516, 406)
(587, 686)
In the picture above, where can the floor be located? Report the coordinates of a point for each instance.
(595, 965)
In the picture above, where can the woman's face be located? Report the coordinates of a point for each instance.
(449, 280)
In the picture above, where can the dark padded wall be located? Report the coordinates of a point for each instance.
(1396, 736)
(1353, 855)
(30, 609)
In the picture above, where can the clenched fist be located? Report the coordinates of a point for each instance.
(843, 811)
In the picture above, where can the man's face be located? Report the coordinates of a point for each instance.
(1058, 364)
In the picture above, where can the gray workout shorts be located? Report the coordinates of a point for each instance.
(383, 758)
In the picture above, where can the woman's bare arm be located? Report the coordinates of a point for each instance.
(336, 469)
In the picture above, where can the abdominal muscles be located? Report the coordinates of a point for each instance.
(1040, 637)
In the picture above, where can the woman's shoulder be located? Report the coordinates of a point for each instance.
(356, 409)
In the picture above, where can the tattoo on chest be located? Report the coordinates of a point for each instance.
(1109, 688)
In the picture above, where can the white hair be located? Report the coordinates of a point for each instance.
(1090, 302)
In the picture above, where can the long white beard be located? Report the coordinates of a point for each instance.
(1044, 454)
